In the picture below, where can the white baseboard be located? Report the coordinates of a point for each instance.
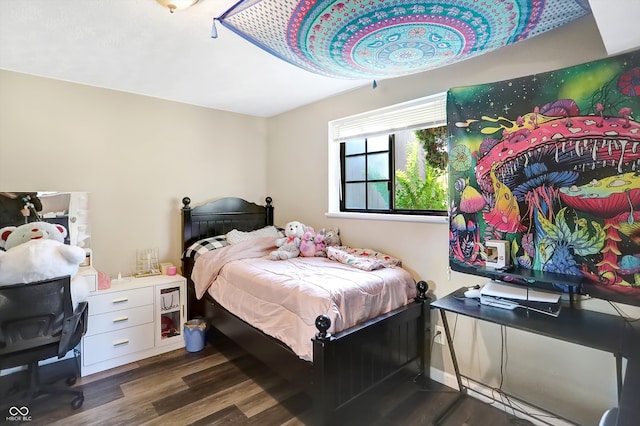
(512, 406)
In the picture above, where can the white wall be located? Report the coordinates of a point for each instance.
(137, 156)
(575, 382)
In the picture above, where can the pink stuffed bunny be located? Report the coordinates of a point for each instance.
(321, 247)
(307, 244)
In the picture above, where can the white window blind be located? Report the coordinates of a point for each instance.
(425, 112)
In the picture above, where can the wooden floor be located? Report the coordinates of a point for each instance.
(226, 386)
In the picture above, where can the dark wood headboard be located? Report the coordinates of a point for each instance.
(217, 218)
(222, 216)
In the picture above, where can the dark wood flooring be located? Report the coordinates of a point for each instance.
(223, 385)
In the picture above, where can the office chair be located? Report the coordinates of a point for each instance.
(37, 322)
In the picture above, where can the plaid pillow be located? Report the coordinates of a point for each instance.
(204, 245)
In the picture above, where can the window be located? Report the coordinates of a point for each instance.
(392, 160)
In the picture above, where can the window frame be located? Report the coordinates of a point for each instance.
(421, 113)
(366, 154)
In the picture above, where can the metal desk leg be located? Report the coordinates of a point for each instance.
(447, 332)
(463, 390)
(619, 374)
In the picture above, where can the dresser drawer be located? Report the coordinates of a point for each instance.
(119, 300)
(104, 346)
(111, 321)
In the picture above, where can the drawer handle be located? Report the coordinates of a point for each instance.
(121, 342)
(121, 319)
(124, 299)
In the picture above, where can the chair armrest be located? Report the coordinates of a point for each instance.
(73, 326)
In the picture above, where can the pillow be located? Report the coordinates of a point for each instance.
(204, 245)
(236, 236)
(362, 258)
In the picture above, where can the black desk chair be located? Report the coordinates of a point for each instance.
(37, 322)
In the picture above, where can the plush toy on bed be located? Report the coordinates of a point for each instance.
(319, 244)
(34, 253)
(326, 238)
(307, 242)
(289, 246)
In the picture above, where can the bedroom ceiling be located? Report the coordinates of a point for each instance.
(137, 46)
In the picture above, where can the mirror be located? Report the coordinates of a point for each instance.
(69, 209)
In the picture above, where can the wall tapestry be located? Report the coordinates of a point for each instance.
(389, 38)
(551, 163)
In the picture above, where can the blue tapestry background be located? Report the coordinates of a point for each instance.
(550, 162)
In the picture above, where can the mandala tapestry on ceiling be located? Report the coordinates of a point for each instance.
(381, 39)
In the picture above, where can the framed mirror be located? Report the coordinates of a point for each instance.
(69, 209)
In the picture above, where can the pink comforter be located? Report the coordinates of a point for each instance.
(283, 298)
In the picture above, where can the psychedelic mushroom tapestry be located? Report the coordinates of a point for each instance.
(390, 38)
(551, 163)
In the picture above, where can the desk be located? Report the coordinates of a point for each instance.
(596, 330)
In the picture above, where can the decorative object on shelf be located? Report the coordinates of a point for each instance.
(147, 262)
(164, 266)
(498, 253)
(382, 39)
(104, 281)
(170, 299)
(174, 5)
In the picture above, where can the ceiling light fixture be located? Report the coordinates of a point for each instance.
(174, 5)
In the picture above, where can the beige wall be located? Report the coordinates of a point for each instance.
(137, 156)
(575, 382)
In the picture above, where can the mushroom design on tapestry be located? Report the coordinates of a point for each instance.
(612, 198)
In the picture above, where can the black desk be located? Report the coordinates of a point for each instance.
(596, 330)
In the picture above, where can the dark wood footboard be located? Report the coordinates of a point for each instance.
(351, 362)
(345, 365)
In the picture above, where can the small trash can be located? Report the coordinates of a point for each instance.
(194, 332)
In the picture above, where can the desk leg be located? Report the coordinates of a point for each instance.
(463, 390)
(619, 374)
(447, 332)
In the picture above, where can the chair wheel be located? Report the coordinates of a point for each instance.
(71, 380)
(77, 402)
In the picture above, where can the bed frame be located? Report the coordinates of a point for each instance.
(345, 365)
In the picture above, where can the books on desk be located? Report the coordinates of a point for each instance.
(506, 296)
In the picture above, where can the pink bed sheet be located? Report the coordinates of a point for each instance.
(283, 298)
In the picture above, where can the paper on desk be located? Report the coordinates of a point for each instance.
(517, 292)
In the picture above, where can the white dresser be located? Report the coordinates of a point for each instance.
(134, 319)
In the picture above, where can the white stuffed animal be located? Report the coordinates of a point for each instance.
(289, 246)
(39, 258)
(11, 236)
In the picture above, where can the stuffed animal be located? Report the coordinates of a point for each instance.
(320, 245)
(327, 238)
(34, 252)
(38, 260)
(12, 236)
(332, 237)
(307, 243)
(289, 246)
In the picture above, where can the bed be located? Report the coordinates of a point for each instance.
(343, 364)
